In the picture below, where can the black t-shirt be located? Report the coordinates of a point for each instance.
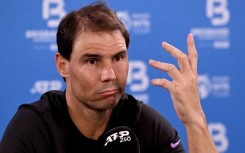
(46, 127)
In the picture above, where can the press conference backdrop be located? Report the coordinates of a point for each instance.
(27, 45)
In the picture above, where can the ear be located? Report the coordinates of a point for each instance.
(62, 65)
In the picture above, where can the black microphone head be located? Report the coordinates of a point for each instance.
(121, 139)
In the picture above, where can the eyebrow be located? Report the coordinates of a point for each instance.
(94, 55)
(90, 55)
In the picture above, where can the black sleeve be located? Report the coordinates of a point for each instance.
(156, 134)
(25, 133)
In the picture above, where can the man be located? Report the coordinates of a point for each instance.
(93, 60)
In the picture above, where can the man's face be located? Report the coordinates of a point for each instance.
(97, 70)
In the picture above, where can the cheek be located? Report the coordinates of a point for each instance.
(83, 79)
(88, 80)
(85, 86)
(122, 71)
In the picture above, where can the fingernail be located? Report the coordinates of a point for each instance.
(191, 36)
(152, 61)
(165, 44)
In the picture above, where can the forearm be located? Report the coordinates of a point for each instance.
(199, 139)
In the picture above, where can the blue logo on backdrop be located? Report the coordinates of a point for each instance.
(42, 86)
(216, 86)
(138, 23)
(53, 14)
(44, 39)
(218, 133)
(138, 80)
(216, 36)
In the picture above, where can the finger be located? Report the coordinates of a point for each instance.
(182, 58)
(172, 71)
(192, 53)
(163, 83)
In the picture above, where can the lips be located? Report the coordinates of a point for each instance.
(108, 92)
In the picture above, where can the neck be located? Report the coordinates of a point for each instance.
(91, 126)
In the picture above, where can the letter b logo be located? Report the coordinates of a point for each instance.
(217, 11)
(53, 11)
(138, 79)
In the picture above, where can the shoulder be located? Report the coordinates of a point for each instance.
(36, 112)
(34, 125)
(49, 100)
(51, 104)
(52, 111)
(25, 132)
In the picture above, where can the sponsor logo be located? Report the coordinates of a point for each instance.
(138, 80)
(138, 23)
(45, 39)
(52, 12)
(217, 11)
(174, 145)
(218, 133)
(123, 136)
(217, 35)
(217, 86)
(42, 86)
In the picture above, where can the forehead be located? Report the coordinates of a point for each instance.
(99, 40)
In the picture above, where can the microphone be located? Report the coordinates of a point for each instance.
(121, 139)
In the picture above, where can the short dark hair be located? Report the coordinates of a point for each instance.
(96, 17)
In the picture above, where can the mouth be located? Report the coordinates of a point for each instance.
(108, 92)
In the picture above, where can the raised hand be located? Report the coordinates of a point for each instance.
(184, 92)
(184, 85)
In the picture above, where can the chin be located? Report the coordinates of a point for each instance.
(110, 104)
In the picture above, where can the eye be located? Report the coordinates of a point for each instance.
(119, 57)
(92, 61)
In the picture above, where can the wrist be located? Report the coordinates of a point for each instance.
(197, 122)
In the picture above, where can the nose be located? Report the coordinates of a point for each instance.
(108, 73)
